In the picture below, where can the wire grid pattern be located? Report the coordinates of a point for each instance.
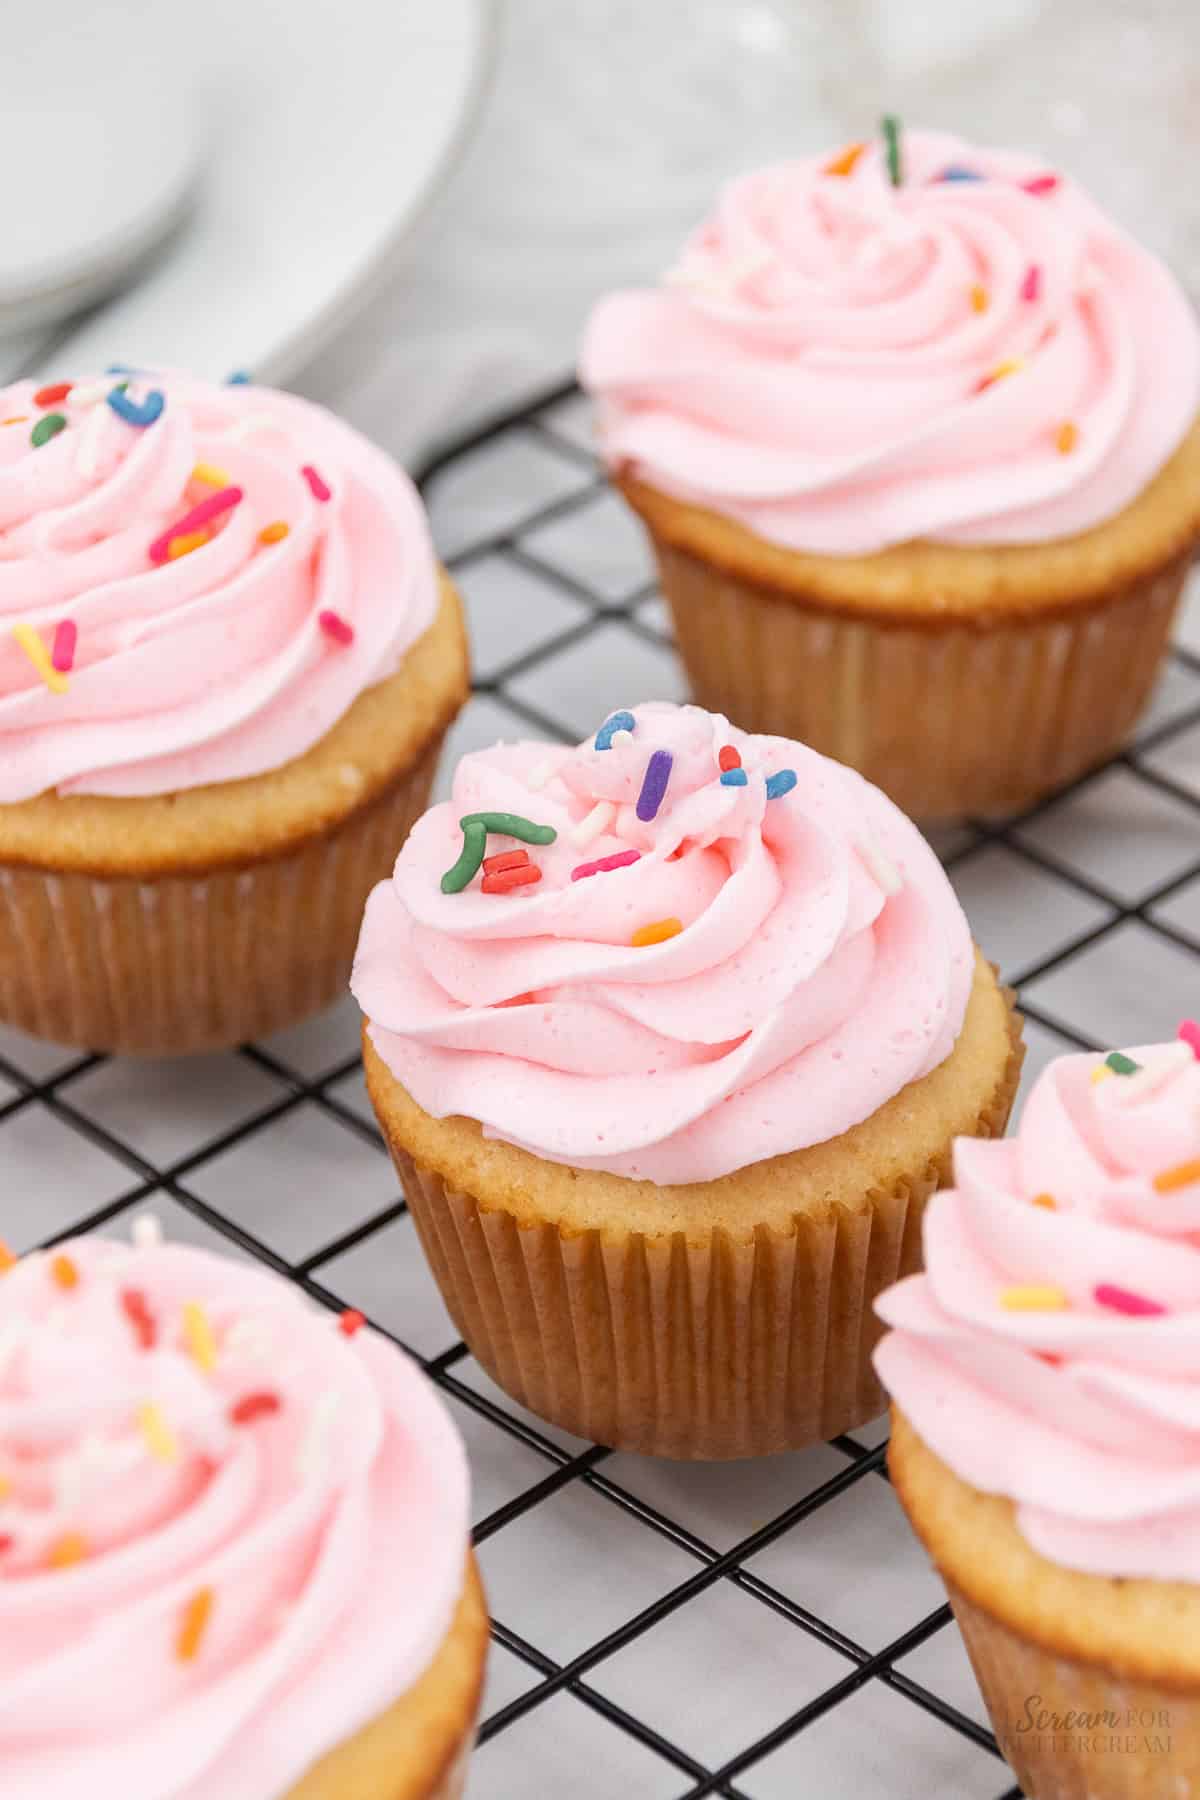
(749, 1630)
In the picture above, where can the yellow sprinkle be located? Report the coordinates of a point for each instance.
(1011, 366)
(198, 1335)
(210, 475)
(1046, 1200)
(1033, 1299)
(658, 933)
(8, 1258)
(70, 1548)
(39, 656)
(1066, 438)
(274, 532)
(160, 1439)
(194, 1624)
(185, 544)
(979, 298)
(17, 419)
(1182, 1175)
(843, 163)
(1101, 1073)
(64, 1272)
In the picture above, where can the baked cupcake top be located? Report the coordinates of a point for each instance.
(909, 338)
(668, 953)
(1051, 1351)
(196, 582)
(231, 1532)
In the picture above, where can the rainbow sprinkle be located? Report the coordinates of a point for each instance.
(889, 125)
(203, 514)
(958, 172)
(620, 859)
(464, 871)
(1033, 1299)
(239, 378)
(476, 828)
(781, 783)
(728, 758)
(350, 1321)
(185, 544)
(136, 1309)
(194, 1624)
(979, 297)
(1066, 437)
(133, 412)
(618, 721)
(1042, 184)
(525, 876)
(52, 395)
(35, 650)
(275, 532)
(253, 1406)
(1189, 1034)
(8, 1258)
(317, 486)
(209, 475)
(1012, 365)
(658, 933)
(198, 1336)
(734, 778)
(70, 1548)
(1031, 287)
(1045, 1200)
(66, 636)
(160, 1439)
(654, 785)
(1184, 1174)
(1120, 1064)
(600, 818)
(335, 627)
(1122, 1300)
(843, 163)
(65, 1272)
(47, 428)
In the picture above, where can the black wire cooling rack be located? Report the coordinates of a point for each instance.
(753, 1630)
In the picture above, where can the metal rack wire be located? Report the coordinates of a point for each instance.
(1073, 875)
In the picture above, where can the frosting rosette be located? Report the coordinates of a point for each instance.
(196, 581)
(230, 1533)
(976, 355)
(1051, 1350)
(686, 949)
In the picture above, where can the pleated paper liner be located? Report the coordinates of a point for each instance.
(714, 1344)
(199, 962)
(949, 718)
(420, 1747)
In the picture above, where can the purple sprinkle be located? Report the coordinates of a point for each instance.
(654, 785)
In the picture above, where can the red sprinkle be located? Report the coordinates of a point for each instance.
(207, 510)
(1189, 1034)
(351, 1321)
(1042, 184)
(334, 626)
(620, 859)
(6, 1542)
(50, 396)
(137, 1311)
(319, 489)
(1123, 1301)
(507, 859)
(728, 759)
(1031, 287)
(66, 635)
(511, 878)
(253, 1406)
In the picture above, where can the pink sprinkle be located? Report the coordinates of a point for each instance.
(620, 859)
(1031, 287)
(1121, 1300)
(1189, 1034)
(66, 634)
(1041, 184)
(334, 626)
(319, 489)
(212, 508)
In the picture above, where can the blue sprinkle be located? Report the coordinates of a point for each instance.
(654, 785)
(122, 369)
(782, 782)
(733, 777)
(956, 172)
(239, 378)
(620, 721)
(134, 412)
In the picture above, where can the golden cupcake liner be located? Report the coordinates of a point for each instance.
(1073, 1731)
(948, 718)
(707, 1349)
(198, 962)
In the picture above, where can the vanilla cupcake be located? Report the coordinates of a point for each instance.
(234, 1551)
(227, 663)
(669, 1036)
(913, 430)
(1045, 1374)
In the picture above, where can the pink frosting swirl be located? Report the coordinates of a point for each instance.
(819, 366)
(823, 960)
(329, 1529)
(1085, 1408)
(207, 666)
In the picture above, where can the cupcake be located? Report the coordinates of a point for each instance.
(227, 663)
(669, 1036)
(234, 1552)
(913, 430)
(1046, 1386)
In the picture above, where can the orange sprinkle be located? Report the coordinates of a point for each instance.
(185, 543)
(275, 532)
(8, 1258)
(843, 163)
(198, 1336)
(210, 475)
(979, 298)
(1046, 1200)
(1033, 1299)
(5, 1487)
(70, 1548)
(64, 1272)
(194, 1624)
(1182, 1175)
(17, 419)
(1066, 438)
(658, 933)
(1009, 367)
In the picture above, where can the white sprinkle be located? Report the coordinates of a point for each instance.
(314, 1450)
(598, 820)
(147, 1231)
(879, 866)
(253, 422)
(539, 775)
(87, 454)
(90, 393)
(619, 739)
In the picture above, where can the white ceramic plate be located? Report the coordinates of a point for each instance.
(327, 128)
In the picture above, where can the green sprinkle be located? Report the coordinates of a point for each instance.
(511, 825)
(467, 866)
(890, 126)
(46, 428)
(1121, 1064)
